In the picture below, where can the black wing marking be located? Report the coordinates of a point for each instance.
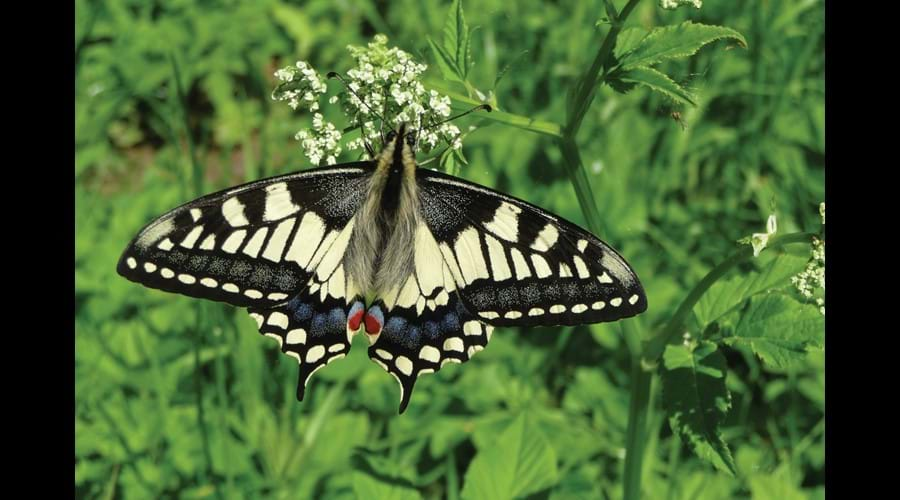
(516, 264)
(310, 329)
(254, 245)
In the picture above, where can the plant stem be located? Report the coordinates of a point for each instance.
(197, 184)
(581, 183)
(581, 99)
(523, 122)
(196, 174)
(587, 84)
(636, 436)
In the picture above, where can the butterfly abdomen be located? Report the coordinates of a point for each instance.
(382, 249)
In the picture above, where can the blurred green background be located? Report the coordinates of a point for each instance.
(175, 398)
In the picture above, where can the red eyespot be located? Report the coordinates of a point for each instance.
(373, 325)
(355, 320)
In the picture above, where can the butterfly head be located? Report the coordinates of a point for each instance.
(399, 153)
(405, 138)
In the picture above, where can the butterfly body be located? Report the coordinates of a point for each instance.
(424, 263)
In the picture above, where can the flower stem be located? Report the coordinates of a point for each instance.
(533, 125)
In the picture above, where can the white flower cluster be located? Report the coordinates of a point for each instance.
(674, 4)
(813, 277)
(323, 140)
(385, 83)
(302, 86)
(299, 84)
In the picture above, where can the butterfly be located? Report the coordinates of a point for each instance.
(424, 263)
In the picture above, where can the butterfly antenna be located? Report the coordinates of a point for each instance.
(485, 107)
(332, 74)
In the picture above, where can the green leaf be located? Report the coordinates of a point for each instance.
(658, 82)
(697, 401)
(445, 62)
(502, 72)
(779, 329)
(777, 484)
(456, 38)
(520, 462)
(448, 162)
(366, 486)
(673, 42)
(726, 295)
(627, 40)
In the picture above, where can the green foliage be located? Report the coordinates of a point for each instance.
(178, 399)
(672, 42)
(518, 463)
(658, 82)
(454, 54)
(637, 50)
(778, 329)
(696, 399)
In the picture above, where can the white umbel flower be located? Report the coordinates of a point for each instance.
(385, 83)
(674, 4)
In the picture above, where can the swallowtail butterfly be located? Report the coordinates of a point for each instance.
(426, 264)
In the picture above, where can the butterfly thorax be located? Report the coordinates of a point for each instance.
(380, 254)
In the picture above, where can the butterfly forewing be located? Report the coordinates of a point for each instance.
(516, 264)
(254, 245)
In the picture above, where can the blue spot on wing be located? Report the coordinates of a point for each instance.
(300, 310)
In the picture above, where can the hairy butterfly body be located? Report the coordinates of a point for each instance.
(424, 263)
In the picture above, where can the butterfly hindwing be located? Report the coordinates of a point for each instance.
(414, 343)
(518, 265)
(254, 245)
(310, 329)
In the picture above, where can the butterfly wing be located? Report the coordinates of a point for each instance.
(518, 265)
(252, 245)
(275, 246)
(484, 259)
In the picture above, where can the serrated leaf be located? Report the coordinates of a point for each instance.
(520, 462)
(658, 82)
(726, 295)
(445, 62)
(456, 38)
(627, 40)
(779, 329)
(697, 400)
(673, 42)
(506, 68)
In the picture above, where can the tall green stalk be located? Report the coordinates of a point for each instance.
(196, 178)
(580, 100)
